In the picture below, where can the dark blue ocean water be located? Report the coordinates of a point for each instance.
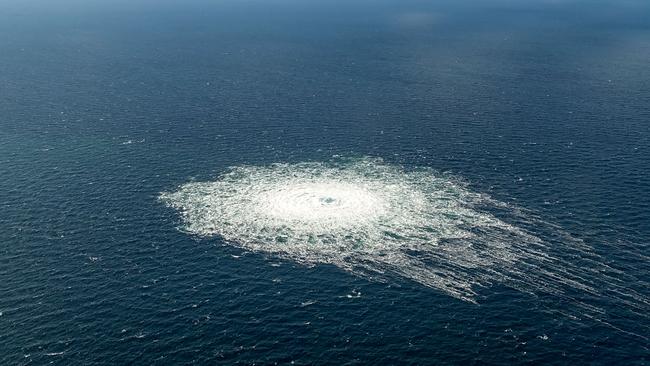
(544, 105)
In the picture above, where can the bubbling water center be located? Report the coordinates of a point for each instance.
(385, 222)
(364, 216)
(325, 202)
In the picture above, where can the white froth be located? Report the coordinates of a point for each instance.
(324, 203)
(362, 215)
(381, 221)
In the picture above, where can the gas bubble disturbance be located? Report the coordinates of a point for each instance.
(383, 221)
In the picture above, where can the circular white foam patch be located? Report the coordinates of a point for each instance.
(361, 215)
(381, 221)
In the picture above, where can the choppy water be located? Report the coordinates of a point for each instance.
(324, 182)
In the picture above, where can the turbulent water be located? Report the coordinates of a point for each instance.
(379, 221)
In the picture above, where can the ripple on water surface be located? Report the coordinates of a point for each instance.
(377, 220)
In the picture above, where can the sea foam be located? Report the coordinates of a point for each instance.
(367, 217)
(385, 222)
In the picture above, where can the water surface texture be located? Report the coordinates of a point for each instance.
(324, 182)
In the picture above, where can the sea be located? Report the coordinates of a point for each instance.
(532, 117)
